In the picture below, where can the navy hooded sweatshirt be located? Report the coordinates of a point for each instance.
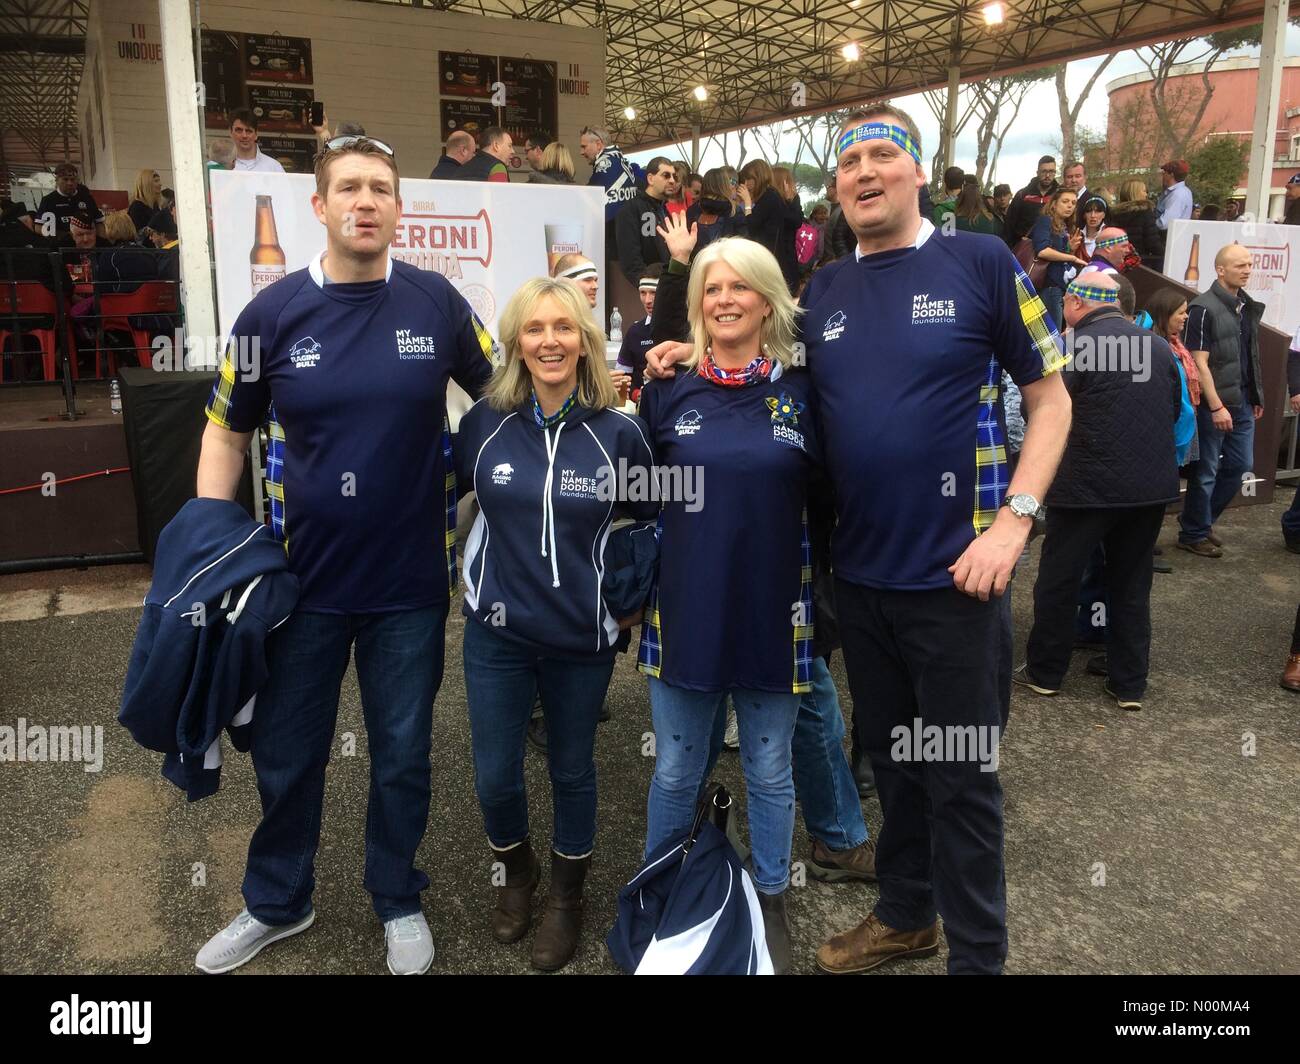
(221, 583)
(535, 558)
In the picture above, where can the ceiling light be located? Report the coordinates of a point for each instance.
(851, 52)
(629, 113)
(994, 14)
(701, 93)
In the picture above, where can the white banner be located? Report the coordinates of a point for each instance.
(1189, 257)
(487, 238)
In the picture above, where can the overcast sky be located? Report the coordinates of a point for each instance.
(1036, 132)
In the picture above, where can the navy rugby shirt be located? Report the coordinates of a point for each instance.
(732, 606)
(352, 382)
(906, 348)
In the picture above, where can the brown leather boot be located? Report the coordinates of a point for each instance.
(557, 937)
(871, 943)
(1291, 674)
(514, 909)
(832, 866)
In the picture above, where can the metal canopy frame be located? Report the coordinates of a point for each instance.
(750, 54)
(42, 50)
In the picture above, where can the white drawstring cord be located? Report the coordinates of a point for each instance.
(548, 508)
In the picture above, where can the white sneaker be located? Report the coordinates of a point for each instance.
(410, 945)
(731, 737)
(242, 940)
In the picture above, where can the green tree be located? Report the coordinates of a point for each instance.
(1216, 169)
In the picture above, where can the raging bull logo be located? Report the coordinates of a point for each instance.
(441, 242)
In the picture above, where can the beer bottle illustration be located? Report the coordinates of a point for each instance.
(1193, 273)
(267, 257)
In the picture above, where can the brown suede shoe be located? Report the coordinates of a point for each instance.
(833, 866)
(1214, 539)
(1291, 674)
(1202, 548)
(871, 943)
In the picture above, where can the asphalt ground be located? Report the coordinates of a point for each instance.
(1158, 842)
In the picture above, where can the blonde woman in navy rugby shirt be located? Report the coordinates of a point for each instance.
(732, 609)
(540, 450)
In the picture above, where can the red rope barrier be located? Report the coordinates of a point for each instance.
(66, 480)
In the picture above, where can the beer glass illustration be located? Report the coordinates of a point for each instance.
(562, 238)
(267, 257)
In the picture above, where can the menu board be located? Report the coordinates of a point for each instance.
(468, 115)
(276, 58)
(464, 74)
(532, 101)
(223, 77)
(281, 108)
(297, 155)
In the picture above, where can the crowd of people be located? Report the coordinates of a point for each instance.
(747, 371)
(72, 247)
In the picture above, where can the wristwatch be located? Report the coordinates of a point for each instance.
(1024, 505)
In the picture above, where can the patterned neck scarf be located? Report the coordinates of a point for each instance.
(757, 372)
(544, 422)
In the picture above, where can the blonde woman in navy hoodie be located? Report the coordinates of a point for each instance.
(542, 450)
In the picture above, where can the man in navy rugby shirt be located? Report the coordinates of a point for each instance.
(354, 357)
(906, 341)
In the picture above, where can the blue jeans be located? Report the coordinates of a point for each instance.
(1215, 481)
(823, 780)
(1054, 299)
(399, 668)
(685, 722)
(1090, 622)
(1291, 519)
(502, 679)
(832, 810)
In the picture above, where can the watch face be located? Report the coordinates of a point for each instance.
(1023, 505)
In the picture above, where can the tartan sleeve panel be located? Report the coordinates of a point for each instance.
(1043, 336)
(803, 633)
(239, 401)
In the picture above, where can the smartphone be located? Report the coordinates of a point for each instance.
(317, 113)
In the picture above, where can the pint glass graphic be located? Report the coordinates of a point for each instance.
(267, 257)
(562, 238)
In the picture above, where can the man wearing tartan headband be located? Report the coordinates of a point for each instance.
(878, 172)
(1111, 251)
(1090, 291)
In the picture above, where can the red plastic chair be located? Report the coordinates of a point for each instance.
(116, 310)
(31, 299)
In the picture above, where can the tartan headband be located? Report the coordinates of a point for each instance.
(880, 131)
(580, 272)
(1112, 241)
(1092, 293)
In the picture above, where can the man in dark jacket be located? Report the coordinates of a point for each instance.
(839, 239)
(1292, 215)
(492, 161)
(639, 243)
(1116, 477)
(69, 197)
(1027, 204)
(1222, 333)
(458, 151)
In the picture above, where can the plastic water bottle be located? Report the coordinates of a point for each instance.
(115, 396)
(616, 327)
